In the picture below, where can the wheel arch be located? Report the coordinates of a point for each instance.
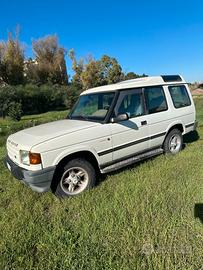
(85, 154)
(178, 126)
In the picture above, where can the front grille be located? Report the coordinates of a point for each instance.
(13, 153)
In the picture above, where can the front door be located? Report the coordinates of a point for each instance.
(130, 137)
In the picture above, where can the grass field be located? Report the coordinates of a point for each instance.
(138, 218)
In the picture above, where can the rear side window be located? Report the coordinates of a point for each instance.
(155, 99)
(179, 96)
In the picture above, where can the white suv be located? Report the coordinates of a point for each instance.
(110, 127)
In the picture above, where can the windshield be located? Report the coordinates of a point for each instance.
(93, 106)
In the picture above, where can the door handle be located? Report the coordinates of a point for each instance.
(143, 123)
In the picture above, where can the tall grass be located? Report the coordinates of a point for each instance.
(141, 217)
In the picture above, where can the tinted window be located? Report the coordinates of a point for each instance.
(130, 102)
(179, 96)
(155, 99)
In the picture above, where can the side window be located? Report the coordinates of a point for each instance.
(105, 101)
(179, 96)
(155, 99)
(130, 102)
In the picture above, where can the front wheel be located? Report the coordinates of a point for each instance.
(75, 177)
(173, 142)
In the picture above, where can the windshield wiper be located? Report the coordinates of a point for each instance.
(80, 117)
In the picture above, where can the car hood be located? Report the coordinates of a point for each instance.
(35, 135)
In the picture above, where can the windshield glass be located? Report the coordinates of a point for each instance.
(93, 106)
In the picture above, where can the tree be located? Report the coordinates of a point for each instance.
(12, 60)
(31, 71)
(49, 65)
(78, 68)
(111, 71)
(92, 73)
(2, 64)
(132, 75)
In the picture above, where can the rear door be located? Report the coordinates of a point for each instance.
(158, 118)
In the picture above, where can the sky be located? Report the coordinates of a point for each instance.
(151, 37)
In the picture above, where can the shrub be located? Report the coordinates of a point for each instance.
(40, 99)
(72, 95)
(7, 95)
(15, 111)
(36, 99)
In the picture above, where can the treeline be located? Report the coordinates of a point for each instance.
(41, 84)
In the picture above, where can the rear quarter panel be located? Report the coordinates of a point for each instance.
(162, 122)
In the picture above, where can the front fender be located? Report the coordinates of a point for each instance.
(73, 150)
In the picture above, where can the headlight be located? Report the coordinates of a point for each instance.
(28, 158)
(24, 156)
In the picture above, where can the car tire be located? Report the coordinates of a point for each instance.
(173, 142)
(75, 177)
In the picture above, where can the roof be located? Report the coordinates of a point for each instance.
(140, 82)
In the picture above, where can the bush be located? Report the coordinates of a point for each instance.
(35, 99)
(72, 96)
(15, 111)
(8, 94)
(40, 99)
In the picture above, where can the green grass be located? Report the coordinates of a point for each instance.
(138, 218)
(8, 126)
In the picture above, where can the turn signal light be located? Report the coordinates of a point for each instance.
(35, 158)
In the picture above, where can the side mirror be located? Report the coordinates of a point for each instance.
(119, 118)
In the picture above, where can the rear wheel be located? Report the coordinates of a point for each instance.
(75, 177)
(173, 142)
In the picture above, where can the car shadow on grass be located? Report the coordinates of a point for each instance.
(191, 137)
(198, 211)
(104, 176)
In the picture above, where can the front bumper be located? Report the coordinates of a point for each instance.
(39, 181)
(196, 125)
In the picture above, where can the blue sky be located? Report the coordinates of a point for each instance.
(152, 37)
